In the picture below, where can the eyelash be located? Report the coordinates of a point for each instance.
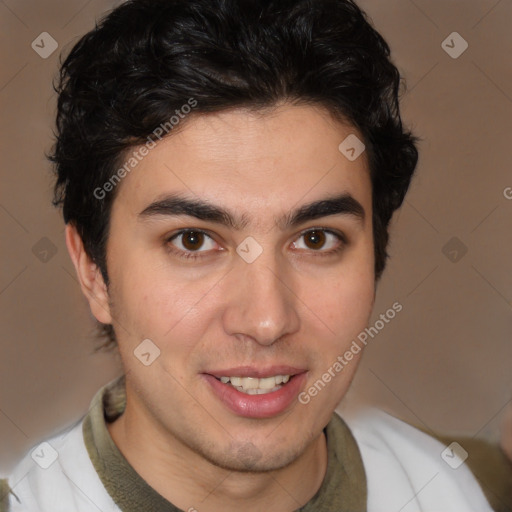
(187, 255)
(194, 255)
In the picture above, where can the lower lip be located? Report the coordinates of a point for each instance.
(258, 406)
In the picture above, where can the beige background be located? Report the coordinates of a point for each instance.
(444, 362)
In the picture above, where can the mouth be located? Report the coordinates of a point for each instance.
(254, 393)
(254, 385)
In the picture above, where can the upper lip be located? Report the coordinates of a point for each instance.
(258, 373)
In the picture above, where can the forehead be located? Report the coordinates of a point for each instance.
(245, 159)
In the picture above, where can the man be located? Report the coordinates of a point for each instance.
(228, 170)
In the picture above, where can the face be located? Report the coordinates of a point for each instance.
(241, 246)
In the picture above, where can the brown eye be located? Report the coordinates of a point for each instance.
(322, 241)
(315, 239)
(191, 244)
(192, 240)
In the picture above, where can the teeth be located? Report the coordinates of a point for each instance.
(236, 381)
(254, 386)
(249, 383)
(259, 391)
(267, 383)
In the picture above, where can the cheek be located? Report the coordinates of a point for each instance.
(343, 307)
(344, 298)
(158, 302)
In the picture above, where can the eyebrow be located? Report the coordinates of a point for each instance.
(175, 205)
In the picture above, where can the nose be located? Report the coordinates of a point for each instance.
(262, 305)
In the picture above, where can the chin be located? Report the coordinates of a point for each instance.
(246, 457)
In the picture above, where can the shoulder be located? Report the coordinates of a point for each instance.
(57, 475)
(408, 470)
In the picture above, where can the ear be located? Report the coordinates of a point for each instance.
(89, 276)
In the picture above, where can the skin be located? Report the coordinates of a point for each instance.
(293, 305)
